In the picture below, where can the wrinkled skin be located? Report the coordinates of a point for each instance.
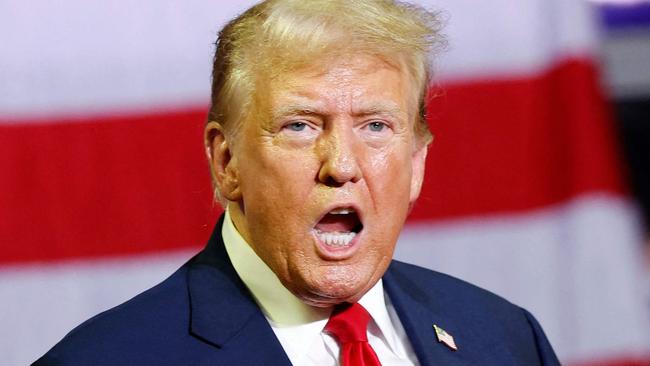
(338, 135)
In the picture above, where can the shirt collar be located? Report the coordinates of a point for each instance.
(282, 307)
(374, 302)
(278, 304)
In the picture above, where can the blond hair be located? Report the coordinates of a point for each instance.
(277, 36)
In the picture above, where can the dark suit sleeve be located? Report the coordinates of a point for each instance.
(46, 361)
(546, 354)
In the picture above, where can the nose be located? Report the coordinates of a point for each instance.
(339, 161)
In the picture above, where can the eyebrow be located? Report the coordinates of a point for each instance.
(296, 109)
(385, 109)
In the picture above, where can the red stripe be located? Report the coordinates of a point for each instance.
(513, 145)
(134, 184)
(617, 362)
(111, 186)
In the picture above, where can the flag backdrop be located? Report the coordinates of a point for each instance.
(104, 190)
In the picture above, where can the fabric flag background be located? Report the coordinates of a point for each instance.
(104, 190)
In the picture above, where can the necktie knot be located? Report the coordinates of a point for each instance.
(349, 323)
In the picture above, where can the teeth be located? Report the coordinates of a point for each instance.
(336, 239)
(342, 211)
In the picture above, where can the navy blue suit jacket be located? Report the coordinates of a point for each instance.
(204, 315)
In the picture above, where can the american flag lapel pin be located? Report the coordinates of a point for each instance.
(444, 337)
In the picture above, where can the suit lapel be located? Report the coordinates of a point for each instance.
(418, 312)
(224, 314)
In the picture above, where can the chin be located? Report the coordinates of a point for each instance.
(336, 286)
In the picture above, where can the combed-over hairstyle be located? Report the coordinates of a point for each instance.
(280, 36)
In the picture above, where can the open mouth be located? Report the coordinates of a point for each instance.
(339, 227)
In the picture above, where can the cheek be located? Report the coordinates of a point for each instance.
(275, 186)
(389, 175)
(389, 186)
(279, 173)
(389, 189)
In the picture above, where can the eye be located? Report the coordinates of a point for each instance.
(376, 126)
(296, 126)
(299, 129)
(377, 132)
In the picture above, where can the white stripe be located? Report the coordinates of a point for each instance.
(576, 266)
(80, 56)
(512, 38)
(91, 56)
(41, 303)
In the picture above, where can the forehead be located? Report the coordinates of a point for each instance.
(357, 83)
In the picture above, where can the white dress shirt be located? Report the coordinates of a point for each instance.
(299, 327)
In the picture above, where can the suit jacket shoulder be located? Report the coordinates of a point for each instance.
(201, 315)
(487, 329)
(136, 332)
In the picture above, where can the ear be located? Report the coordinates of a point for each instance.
(222, 163)
(418, 160)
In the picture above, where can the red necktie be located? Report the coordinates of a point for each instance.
(348, 324)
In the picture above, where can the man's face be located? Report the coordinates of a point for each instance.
(324, 180)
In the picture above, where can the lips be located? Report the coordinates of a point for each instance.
(340, 220)
(338, 228)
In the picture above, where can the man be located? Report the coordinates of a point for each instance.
(317, 143)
